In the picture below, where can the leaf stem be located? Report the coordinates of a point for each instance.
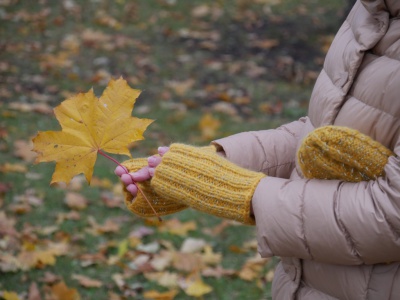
(139, 189)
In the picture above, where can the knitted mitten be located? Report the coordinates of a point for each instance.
(207, 182)
(334, 152)
(140, 206)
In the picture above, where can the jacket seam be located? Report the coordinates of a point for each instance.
(280, 165)
(303, 227)
(374, 108)
(284, 128)
(368, 283)
(343, 228)
(389, 223)
(266, 162)
(292, 134)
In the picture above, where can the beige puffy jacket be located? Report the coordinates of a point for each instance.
(337, 240)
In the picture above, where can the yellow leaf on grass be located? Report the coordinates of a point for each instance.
(209, 257)
(10, 296)
(174, 226)
(198, 288)
(123, 247)
(209, 126)
(90, 125)
(46, 257)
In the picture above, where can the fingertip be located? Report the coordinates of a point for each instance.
(126, 179)
(119, 171)
(141, 175)
(132, 189)
(153, 161)
(151, 171)
(162, 150)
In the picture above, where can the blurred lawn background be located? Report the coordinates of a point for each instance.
(207, 69)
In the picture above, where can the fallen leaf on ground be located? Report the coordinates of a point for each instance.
(165, 279)
(191, 245)
(10, 296)
(209, 257)
(61, 292)
(107, 227)
(155, 295)
(209, 127)
(75, 201)
(217, 272)
(13, 168)
(34, 293)
(23, 149)
(187, 262)
(197, 287)
(177, 227)
(87, 281)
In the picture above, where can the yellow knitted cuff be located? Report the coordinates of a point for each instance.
(334, 152)
(207, 182)
(139, 205)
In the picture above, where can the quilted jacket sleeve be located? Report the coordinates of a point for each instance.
(330, 221)
(269, 151)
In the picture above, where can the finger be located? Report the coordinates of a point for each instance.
(126, 179)
(151, 171)
(120, 170)
(162, 150)
(141, 175)
(132, 189)
(153, 161)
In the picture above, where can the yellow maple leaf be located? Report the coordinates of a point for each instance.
(90, 125)
(198, 288)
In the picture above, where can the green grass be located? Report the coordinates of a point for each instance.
(144, 42)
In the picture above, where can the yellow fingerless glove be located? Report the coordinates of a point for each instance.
(335, 152)
(139, 205)
(207, 182)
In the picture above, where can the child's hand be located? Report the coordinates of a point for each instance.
(143, 174)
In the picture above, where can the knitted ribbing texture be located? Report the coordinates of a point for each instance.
(207, 182)
(139, 205)
(336, 152)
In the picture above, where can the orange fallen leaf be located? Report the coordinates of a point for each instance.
(61, 292)
(90, 126)
(16, 168)
(155, 295)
